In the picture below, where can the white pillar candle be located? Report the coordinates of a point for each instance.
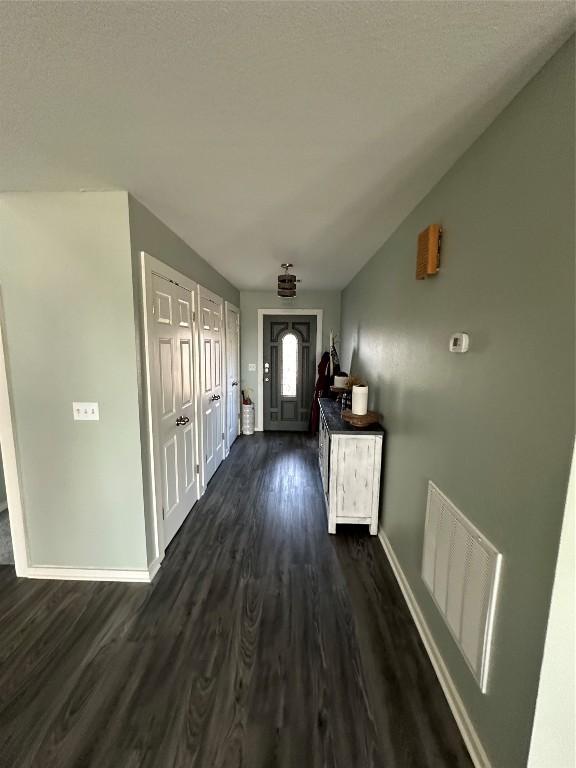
(360, 400)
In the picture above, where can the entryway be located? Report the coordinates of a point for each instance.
(289, 366)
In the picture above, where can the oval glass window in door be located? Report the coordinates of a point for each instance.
(289, 364)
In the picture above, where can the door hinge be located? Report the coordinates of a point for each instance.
(194, 317)
(222, 435)
(197, 469)
(162, 513)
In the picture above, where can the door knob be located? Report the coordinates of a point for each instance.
(215, 397)
(234, 383)
(181, 420)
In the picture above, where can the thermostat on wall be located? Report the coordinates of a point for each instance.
(459, 342)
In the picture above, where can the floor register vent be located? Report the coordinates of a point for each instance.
(461, 568)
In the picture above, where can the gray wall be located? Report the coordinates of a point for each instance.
(66, 281)
(252, 301)
(492, 428)
(149, 234)
(70, 281)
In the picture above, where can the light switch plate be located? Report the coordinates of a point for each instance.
(251, 366)
(86, 411)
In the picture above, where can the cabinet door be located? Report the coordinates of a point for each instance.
(321, 445)
(357, 468)
(325, 465)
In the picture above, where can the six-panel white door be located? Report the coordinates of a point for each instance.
(232, 373)
(173, 311)
(210, 309)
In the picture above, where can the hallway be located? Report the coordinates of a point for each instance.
(262, 642)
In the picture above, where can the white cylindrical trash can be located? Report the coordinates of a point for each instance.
(248, 419)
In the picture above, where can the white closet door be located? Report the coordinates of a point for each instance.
(210, 309)
(174, 391)
(232, 373)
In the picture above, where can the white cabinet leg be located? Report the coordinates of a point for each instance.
(374, 528)
(331, 526)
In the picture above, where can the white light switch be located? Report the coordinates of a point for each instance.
(86, 411)
(251, 366)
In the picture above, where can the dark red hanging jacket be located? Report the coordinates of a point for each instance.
(321, 389)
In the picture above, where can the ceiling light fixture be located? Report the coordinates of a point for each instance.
(287, 283)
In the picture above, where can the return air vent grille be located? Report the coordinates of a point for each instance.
(462, 571)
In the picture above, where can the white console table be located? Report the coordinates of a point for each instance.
(350, 459)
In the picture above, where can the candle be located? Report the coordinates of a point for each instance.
(360, 399)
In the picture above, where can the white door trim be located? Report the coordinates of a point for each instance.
(210, 294)
(280, 311)
(228, 305)
(150, 266)
(10, 461)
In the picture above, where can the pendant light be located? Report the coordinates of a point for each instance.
(287, 283)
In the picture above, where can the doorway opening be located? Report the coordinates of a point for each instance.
(290, 344)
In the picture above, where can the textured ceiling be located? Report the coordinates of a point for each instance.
(262, 132)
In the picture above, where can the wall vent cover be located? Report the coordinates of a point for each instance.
(461, 568)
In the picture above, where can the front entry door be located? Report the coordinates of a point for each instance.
(289, 368)
(174, 394)
(232, 373)
(211, 372)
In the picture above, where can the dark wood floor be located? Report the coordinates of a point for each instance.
(262, 642)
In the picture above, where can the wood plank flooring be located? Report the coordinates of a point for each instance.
(262, 642)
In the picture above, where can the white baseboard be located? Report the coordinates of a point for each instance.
(86, 574)
(154, 567)
(465, 725)
(3, 506)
